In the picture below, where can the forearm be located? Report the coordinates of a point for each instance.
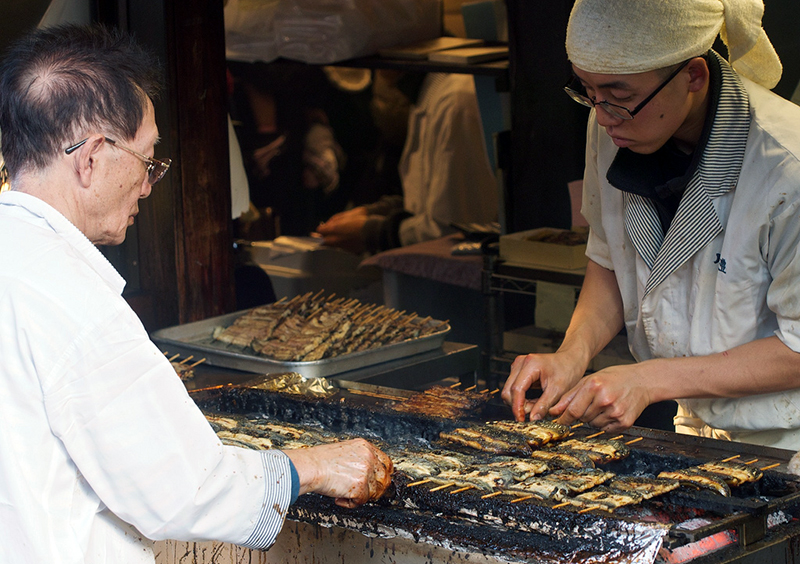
(598, 316)
(759, 367)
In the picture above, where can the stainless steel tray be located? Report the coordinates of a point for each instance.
(195, 339)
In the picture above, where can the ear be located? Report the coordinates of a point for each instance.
(85, 159)
(699, 74)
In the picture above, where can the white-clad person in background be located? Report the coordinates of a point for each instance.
(101, 448)
(692, 194)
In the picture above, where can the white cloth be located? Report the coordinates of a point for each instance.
(632, 36)
(444, 166)
(726, 273)
(96, 429)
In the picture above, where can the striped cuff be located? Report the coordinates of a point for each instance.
(277, 496)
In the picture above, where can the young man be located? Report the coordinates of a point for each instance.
(691, 189)
(101, 447)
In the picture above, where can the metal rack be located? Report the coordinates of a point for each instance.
(498, 278)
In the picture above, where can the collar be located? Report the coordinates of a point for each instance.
(70, 234)
(696, 222)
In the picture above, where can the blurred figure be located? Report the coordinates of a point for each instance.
(444, 168)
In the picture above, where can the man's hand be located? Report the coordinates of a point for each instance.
(555, 373)
(611, 399)
(353, 472)
(343, 230)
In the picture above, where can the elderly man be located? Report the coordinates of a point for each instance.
(101, 448)
(692, 190)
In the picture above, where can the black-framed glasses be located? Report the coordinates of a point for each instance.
(156, 169)
(577, 92)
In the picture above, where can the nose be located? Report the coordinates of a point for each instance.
(145, 189)
(604, 118)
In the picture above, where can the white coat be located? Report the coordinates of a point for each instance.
(727, 271)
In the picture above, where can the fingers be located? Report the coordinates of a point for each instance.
(521, 377)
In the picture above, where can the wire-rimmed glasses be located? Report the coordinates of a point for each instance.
(156, 168)
(577, 92)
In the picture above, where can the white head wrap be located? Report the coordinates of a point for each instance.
(632, 36)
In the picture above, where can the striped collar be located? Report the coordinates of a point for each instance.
(696, 222)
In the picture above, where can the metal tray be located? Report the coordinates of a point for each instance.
(195, 339)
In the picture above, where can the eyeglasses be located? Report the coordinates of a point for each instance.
(156, 169)
(577, 92)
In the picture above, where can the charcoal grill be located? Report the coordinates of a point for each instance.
(760, 522)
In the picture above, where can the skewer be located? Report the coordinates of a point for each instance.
(486, 391)
(418, 483)
(771, 466)
(470, 388)
(730, 458)
(523, 498)
(595, 435)
(560, 505)
(201, 361)
(493, 494)
(187, 359)
(636, 440)
(465, 488)
(494, 391)
(443, 486)
(590, 508)
(752, 461)
(577, 425)
(374, 395)
(166, 353)
(618, 437)
(456, 385)
(173, 357)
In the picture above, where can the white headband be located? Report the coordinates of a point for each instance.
(632, 36)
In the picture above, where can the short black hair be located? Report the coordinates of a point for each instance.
(62, 82)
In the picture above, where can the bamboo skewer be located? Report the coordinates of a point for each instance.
(187, 359)
(560, 505)
(465, 488)
(201, 361)
(595, 435)
(523, 498)
(493, 494)
(618, 437)
(494, 391)
(590, 508)
(636, 440)
(752, 461)
(576, 425)
(456, 385)
(173, 357)
(470, 388)
(730, 458)
(443, 486)
(418, 483)
(374, 395)
(771, 466)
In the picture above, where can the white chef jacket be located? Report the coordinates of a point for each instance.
(726, 272)
(101, 447)
(445, 169)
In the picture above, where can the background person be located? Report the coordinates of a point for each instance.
(691, 190)
(101, 448)
(444, 168)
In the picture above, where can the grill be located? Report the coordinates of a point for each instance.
(688, 525)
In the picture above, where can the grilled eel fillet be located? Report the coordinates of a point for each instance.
(600, 451)
(606, 498)
(423, 464)
(556, 459)
(485, 438)
(578, 480)
(698, 479)
(716, 476)
(646, 487)
(536, 433)
(734, 473)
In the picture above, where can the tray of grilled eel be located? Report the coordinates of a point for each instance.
(312, 334)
